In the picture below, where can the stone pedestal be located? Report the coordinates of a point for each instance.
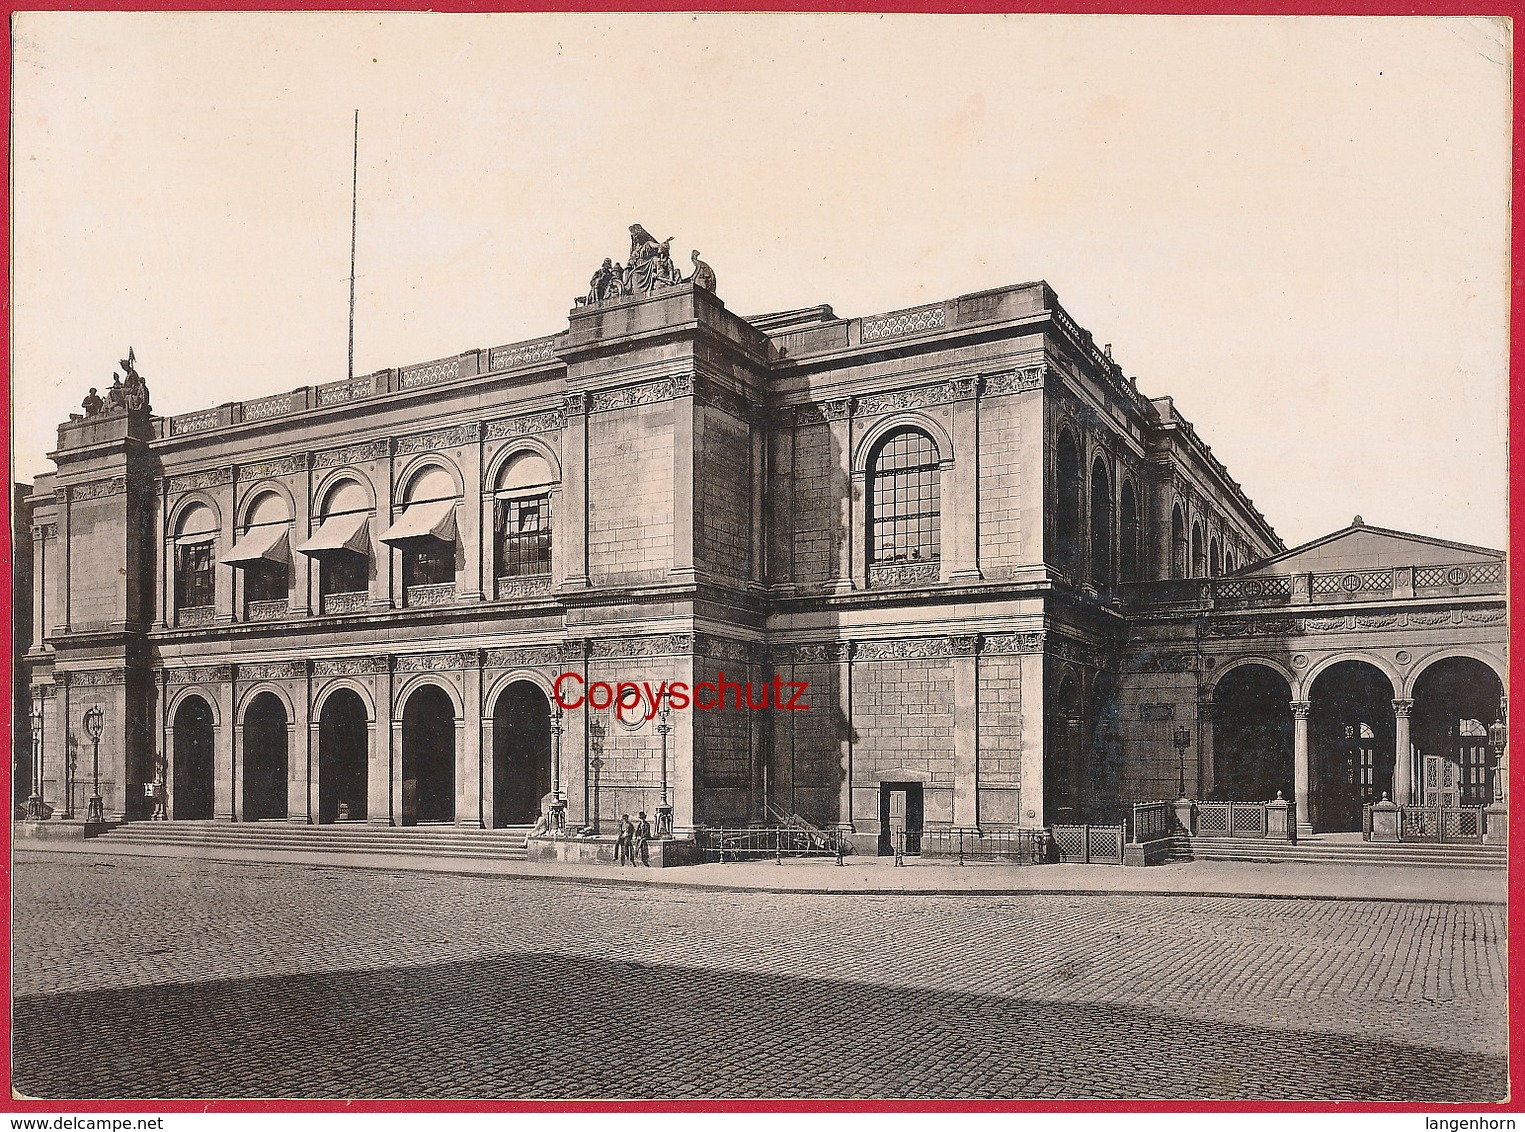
(1496, 824)
(1385, 816)
(59, 830)
(1280, 824)
(1186, 811)
(660, 854)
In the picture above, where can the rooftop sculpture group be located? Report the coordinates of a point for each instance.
(131, 394)
(650, 268)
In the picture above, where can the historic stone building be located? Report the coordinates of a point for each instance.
(1007, 576)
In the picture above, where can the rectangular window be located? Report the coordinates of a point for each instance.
(195, 582)
(524, 536)
(267, 581)
(428, 562)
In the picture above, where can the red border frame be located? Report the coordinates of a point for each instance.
(1516, 919)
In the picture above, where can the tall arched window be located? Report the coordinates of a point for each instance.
(341, 543)
(904, 507)
(1214, 558)
(1101, 525)
(522, 518)
(1128, 536)
(425, 531)
(1198, 552)
(263, 553)
(195, 575)
(1177, 542)
(1069, 492)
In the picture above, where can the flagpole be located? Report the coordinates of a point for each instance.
(353, 214)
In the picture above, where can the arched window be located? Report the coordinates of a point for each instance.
(341, 543)
(522, 518)
(1069, 493)
(263, 553)
(1198, 552)
(904, 508)
(1214, 558)
(195, 576)
(1101, 525)
(1230, 563)
(1129, 532)
(1177, 543)
(425, 531)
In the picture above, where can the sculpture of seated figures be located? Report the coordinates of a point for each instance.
(598, 286)
(116, 395)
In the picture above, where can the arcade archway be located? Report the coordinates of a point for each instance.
(1252, 734)
(1456, 700)
(521, 754)
(428, 757)
(194, 772)
(343, 742)
(265, 758)
(1351, 736)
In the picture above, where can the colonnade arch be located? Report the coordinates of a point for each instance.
(521, 753)
(266, 757)
(429, 717)
(193, 771)
(343, 756)
(1252, 733)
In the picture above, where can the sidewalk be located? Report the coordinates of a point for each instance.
(877, 876)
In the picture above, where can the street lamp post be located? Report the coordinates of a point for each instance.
(34, 808)
(558, 819)
(95, 723)
(1498, 739)
(1182, 741)
(664, 810)
(596, 764)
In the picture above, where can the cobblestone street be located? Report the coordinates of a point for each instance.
(183, 978)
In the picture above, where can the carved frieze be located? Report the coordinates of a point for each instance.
(91, 677)
(351, 454)
(45, 530)
(906, 574)
(647, 393)
(208, 480)
(206, 674)
(964, 644)
(1022, 380)
(719, 648)
(905, 400)
(266, 469)
(273, 670)
(96, 489)
(824, 412)
(718, 397)
(577, 403)
(436, 662)
(1013, 644)
(456, 437)
(1173, 661)
(915, 648)
(350, 666)
(1482, 616)
(669, 644)
(522, 656)
(533, 585)
(531, 424)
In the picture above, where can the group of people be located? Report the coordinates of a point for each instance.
(630, 844)
(650, 268)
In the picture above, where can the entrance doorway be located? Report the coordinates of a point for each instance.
(1351, 730)
(428, 757)
(1252, 735)
(1063, 755)
(900, 812)
(1456, 700)
(265, 758)
(521, 754)
(342, 754)
(194, 772)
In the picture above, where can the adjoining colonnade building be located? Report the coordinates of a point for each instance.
(1009, 578)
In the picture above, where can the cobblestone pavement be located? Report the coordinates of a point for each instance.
(142, 977)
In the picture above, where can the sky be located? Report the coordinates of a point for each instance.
(1296, 227)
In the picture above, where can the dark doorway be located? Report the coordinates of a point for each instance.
(1252, 735)
(194, 766)
(265, 762)
(900, 811)
(1350, 731)
(428, 757)
(1456, 700)
(521, 754)
(343, 747)
(1063, 756)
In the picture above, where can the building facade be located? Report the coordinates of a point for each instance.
(1006, 577)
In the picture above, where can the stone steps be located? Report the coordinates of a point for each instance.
(359, 838)
(1315, 851)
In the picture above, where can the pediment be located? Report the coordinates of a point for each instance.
(1362, 547)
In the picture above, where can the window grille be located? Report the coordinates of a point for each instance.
(196, 584)
(524, 536)
(905, 518)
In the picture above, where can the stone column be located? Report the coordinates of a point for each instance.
(488, 784)
(844, 651)
(314, 783)
(470, 752)
(476, 526)
(1302, 770)
(962, 562)
(40, 585)
(1403, 754)
(966, 732)
(574, 474)
(851, 547)
(235, 774)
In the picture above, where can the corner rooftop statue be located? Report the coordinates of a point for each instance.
(650, 268)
